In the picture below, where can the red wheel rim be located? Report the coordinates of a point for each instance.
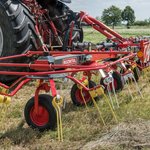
(79, 97)
(115, 85)
(40, 119)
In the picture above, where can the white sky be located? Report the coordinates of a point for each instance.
(95, 7)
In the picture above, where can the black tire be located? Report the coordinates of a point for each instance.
(48, 111)
(57, 8)
(77, 37)
(118, 82)
(137, 73)
(17, 33)
(81, 33)
(78, 101)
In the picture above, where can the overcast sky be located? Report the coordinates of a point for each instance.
(95, 7)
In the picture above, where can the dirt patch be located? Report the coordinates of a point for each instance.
(126, 135)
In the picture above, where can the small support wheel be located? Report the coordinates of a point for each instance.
(118, 84)
(137, 73)
(77, 98)
(46, 118)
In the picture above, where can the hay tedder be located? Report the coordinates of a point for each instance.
(43, 41)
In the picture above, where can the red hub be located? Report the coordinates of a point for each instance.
(115, 85)
(79, 97)
(40, 119)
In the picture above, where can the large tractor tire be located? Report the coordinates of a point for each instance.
(58, 8)
(17, 34)
(54, 10)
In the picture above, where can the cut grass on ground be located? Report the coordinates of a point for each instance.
(82, 126)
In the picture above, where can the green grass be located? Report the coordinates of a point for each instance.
(80, 125)
(94, 36)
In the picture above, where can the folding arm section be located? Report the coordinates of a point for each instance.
(144, 53)
(102, 28)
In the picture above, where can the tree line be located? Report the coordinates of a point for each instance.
(114, 16)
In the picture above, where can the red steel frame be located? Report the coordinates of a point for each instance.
(49, 69)
(99, 26)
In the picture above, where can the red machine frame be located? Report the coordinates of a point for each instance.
(87, 67)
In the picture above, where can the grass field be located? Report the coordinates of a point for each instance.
(82, 128)
(94, 36)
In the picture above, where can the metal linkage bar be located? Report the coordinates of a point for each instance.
(102, 28)
(52, 69)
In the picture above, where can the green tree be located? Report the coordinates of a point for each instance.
(145, 22)
(149, 20)
(128, 15)
(98, 18)
(112, 16)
